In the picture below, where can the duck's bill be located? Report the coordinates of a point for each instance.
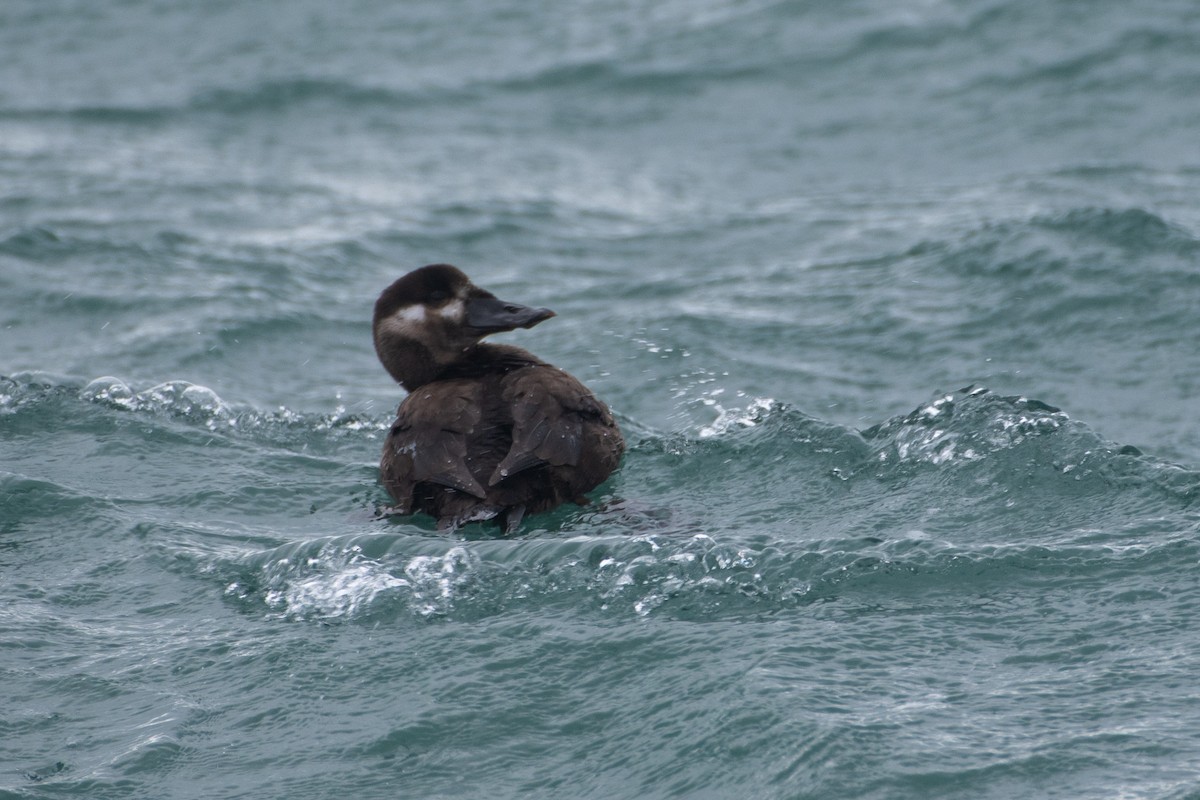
(491, 314)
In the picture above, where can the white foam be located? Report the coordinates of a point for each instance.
(341, 593)
(733, 418)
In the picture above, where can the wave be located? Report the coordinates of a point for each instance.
(202, 406)
(268, 96)
(44, 243)
(1041, 284)
(1119, 61)
(199, 406)
(764, 509)
(960, 427)
(1133, 229)
(684, 49)
(969, 425)
(1046, 242)
(385, 576)
(176, 450)
(1028, 446)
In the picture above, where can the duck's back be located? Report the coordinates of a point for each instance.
(503, 435)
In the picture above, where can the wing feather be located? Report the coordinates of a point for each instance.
(548, 409)
(428, 442)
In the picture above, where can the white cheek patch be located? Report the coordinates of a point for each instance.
(410, 314)
(438, 329)
(407, 322)
(452, 310)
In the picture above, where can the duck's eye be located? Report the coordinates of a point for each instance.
(438, 296)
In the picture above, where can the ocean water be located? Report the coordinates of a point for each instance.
(897, 302)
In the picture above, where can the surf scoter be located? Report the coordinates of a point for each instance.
(487, 431)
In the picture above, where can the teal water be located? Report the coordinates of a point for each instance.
(897, 304)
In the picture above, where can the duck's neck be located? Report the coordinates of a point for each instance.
(413, 365)
(410, 363)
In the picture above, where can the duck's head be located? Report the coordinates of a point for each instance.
(434, 316)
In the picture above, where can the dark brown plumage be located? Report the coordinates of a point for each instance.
(487, 431)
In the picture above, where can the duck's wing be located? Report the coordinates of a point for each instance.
(548, 408)
(428, 441)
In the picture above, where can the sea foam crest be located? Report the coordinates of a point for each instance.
(8, 395)
(200, 404)
(965, 425)
(335, 582)
(339, 581)
(178, 398)
(435, 581)
(698, 572)
(735, 417)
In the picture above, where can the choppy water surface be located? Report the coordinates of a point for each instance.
(897, 305)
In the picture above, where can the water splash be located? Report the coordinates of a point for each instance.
(437, 580)
(364, 577)
(200, 404)
(174, 398)
(698, 570)
(735, 417)
(339, 581)
(336, 582)
(963, 426)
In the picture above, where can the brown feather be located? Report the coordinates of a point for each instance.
(487, 431)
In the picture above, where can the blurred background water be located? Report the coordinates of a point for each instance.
(897, 303)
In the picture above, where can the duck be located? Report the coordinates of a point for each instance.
(487, 431)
